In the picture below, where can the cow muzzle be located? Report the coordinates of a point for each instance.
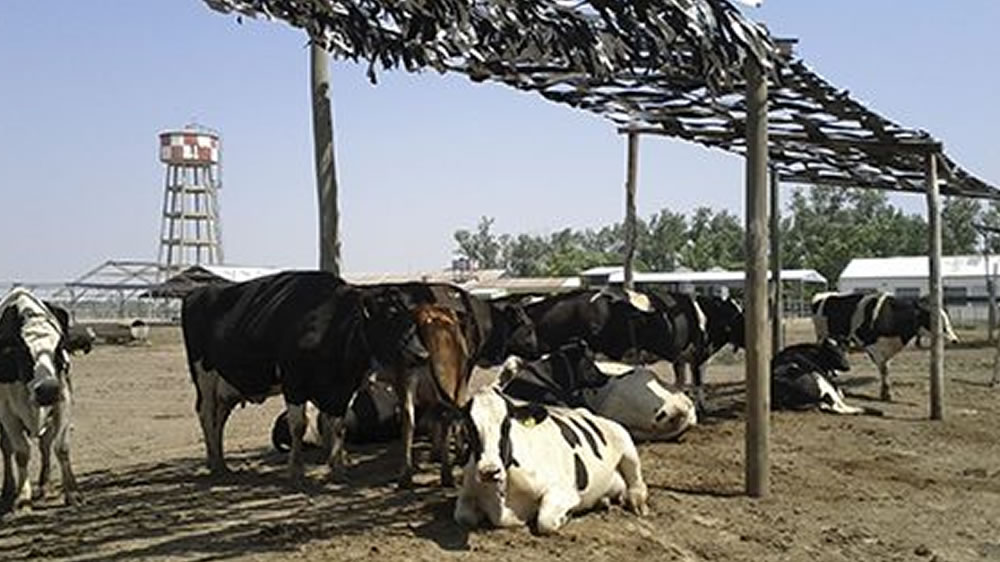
(489, 473)
(413, 351)
(46, 391)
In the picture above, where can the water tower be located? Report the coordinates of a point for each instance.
(191, 232)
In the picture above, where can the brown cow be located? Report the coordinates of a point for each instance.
(450, 366)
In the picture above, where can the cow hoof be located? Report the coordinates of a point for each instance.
(885, 395)
(405, 480)
(73, 499)
(447, 480)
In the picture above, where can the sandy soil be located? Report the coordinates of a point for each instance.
(896, 487)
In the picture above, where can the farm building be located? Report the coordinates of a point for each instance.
(964, 280)
(798, 283)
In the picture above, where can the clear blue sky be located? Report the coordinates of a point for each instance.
(86, 86)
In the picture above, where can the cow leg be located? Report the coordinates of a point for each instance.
(630, 468)
(214, 405)
(22, 451)
(409, 391)
(442, 441)
(553, 512)
(45, 464)
(885, 393)
(333, 433)
(7, 494)
(830, 399)
(680, 374)
(698, 372)
(297, 429)
(61, 426)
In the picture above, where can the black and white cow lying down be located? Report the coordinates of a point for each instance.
(530, 462)
(306, 334)
(804, 376)
(631, 396)
(880, 323)
(676, 327)
(35, 395)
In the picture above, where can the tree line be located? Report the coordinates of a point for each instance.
(822, 228)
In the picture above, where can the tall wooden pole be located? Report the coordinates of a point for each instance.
(937, 300)
(326, 169)
(777, 292)
(630, 230)
(758, 354)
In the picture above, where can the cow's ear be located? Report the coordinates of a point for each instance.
(529, 414)
(10, 324)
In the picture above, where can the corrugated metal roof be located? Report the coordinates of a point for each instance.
(915, 267)
(237, 273)
(714, 276)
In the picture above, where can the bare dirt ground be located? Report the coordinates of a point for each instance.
(896, 487)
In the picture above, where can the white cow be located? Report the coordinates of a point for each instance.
(528, 461)
(35, 394)
(631, 396)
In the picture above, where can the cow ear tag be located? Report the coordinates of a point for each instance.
(528, 421)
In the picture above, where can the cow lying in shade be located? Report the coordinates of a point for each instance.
(804, 375)
(533, 462)
(631, 396)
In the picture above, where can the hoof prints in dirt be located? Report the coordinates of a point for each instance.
(172, 509)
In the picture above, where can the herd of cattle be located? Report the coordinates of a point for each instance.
(546, 431)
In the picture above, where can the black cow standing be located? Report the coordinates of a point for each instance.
(306, 334)
(699, 326)
(880, 323)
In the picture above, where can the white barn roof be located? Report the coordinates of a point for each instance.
(616, 274)
(915, 267)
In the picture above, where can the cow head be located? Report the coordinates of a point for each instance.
(923, 306)
(488, 418)
(516, 329)
(832, 355)
(41, 371)
(725, 322)
(391, 329)
(649, 410)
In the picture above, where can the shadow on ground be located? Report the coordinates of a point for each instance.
(176, 509)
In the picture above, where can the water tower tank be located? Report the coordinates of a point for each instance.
(189, 147)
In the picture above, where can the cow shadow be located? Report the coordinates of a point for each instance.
(175, 508)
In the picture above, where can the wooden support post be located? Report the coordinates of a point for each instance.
(630, 230)
(758, 354)
(937, 300)
(326, 170)
(777, 291)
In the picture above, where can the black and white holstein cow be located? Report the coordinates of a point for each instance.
(631, 396)
(699, 326)
(880, 323)
(306, 334)
(35, 395)
(533, 462)
(612, 321)
(804, 375)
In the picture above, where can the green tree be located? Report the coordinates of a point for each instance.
(958, 235)
(482, 246)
